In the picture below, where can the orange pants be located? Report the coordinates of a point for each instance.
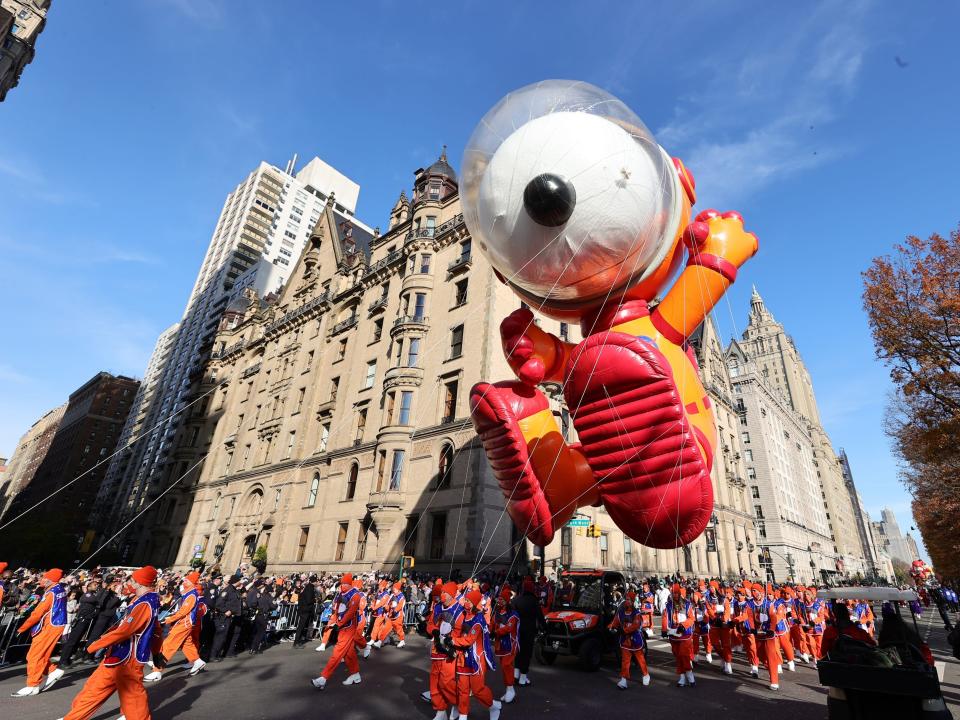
(682, 654)
(391, 625)
(798, 639)
(720, 637)
(770, 654)
(813, 644)
(783, 641)
(126, 680)
(378, 622)
(443, 684)
(180, 638)
(506, 667)
(345, 650)
(38, 657)
(472, 684)
(626, 657)
(359, 640)
(707, 646)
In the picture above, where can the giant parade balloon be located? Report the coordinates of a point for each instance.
(587, 219)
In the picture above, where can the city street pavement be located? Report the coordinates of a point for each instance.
(276, 686)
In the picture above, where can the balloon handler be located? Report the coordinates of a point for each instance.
(587, 219)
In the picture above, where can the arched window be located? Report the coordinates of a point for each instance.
(253, 503)
(352, 481)
(314, 487)
(216, 507)
(687, 559)
(445, 467)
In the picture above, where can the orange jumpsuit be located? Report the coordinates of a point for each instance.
(394, 622)
(126, 677)
(765, 619)
(646, 610)
(470, 637)
(798, 637)
(784, 645)
(701, 626)
(506, 628)
(679, 616)
(720, 615)
(345, 616)
(443, 669)
(181, 635)
(630, 623)
(817, 619)
(359, 638)
(51, 624)
(380, 612)
(746, 626)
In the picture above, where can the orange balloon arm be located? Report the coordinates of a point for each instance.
(690, 300)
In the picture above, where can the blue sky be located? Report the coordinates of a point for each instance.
(137, 117)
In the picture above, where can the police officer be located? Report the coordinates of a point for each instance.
(263, 608)
(211, 593)
(226, 618)
(527, 605)
(108, 604)
(87, 609)
(306, 603)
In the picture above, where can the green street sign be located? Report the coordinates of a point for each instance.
(579, 522)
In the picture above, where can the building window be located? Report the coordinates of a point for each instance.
(301, 393)
(465, 248)
(396, 469)
(752, 474)
(291, 441)
(461, 293)
(603, 550)
(410, 536)
(276, 498)
(371, 374)
(762, 528)
(361, 424)
(314, 488)
(565, 423)
(377, 330)
(566, 547)
(413, 352)
(391, 398)
(406, 400)
(425, 261)
(216, 507)
(342, 349)
(745, 436)
(324, 437)
(302, 544)
(755, 491)
(419, 307)
(309, 362)
(456, 342)
(341, 540)
(352, 481)
(564, 331)
(627, 553)
(758, 511)
(748, 454)
(334, 387)
(687, 559)
(362, 529)
(445, 467)
(381, 469)
(438, 535)
(246, 456)
(450, 391)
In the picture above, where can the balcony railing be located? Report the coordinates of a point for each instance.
(427, 232)
(297, 312)
(385, 262)
(344, 325)
(378, 304)
(410, 320)
(461, 263)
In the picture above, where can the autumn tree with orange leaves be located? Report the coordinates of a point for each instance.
(912, 300)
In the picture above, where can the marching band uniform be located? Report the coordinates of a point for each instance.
(797, 619)
(359, 638)
(677, 626)
(745, 623)
(629, 621)
(647, 604)
(816, 617)
(701, 627)
(443, 666)
(380, 612)
(781, 629)
(345, 612)
(328, 630)
(394, 621)
(768, 622)
(545, 594)
(506, 633)
(472, 638)
(185, 622)
(130, 644)
(46, 624)
(719, 609)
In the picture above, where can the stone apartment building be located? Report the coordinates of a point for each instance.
(21, 22)
(29, 453)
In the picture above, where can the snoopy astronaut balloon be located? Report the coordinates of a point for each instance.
(586, 218)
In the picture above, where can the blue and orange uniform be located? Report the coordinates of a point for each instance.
(46, 625)
(629, 622)
(346, 612)
(472, 638)
(677, 625)
(506, 635)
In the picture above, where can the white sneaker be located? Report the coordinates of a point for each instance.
(754, 671)
(51, 679)
(779, 669)
(495, 710)
(524, 680)
(153, 677)
(122, 717)
(509, 695)
(805, 657)
(691, 680)
(197, 666)
(774, 687)
(366, 651)
(25, 691)
(682, 681)
(427, 697)
(516, 674)
(622, 684)
(321, 647)
(352, 680)
(645, 680)
(319, 682)
(728, 668)
(791, 666)
(455, 713)
(377, 644)
(441, 715)
(401, 644)
(709, 658)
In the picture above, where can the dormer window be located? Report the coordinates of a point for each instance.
(434, 191)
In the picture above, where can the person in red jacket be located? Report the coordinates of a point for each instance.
(184, 621)
(344, 618)
(129, 644)
(677, 626)
(506, 636)
(545, 594)
(471, 637)
(46, 624)
(628, 620)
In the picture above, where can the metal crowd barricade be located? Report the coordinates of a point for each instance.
(284, 622)
(9, 639)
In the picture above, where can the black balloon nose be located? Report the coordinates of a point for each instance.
(549, 200)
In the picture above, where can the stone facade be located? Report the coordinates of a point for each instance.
(29, 453)
(21, 22)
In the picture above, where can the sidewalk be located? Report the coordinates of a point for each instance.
(948, 667)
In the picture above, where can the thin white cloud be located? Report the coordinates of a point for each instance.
(10, 375)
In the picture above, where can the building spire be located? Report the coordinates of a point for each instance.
(443, 154)
(756, 302)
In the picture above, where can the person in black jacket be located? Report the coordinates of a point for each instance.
(306, 602)
(108, 604)
(226, 618)
(211, 593)
(528, 608)
(264, 607)
(88, 608)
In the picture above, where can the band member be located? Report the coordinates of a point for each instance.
(647, 605)
(701, 626)
(629, 622)
(129, 646)
(360, 639)
(379, 612)
(185, 621)
(394, 622)
(719, 610)
(471, 637)
(443, 666)
(506, 633)
(768, 624)
(745, 623)
(46, 624)
(345, 619)
(816, 615)
(677, 626)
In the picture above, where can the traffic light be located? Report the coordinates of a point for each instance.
(594, 531)
(407, 562)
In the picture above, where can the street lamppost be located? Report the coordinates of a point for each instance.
(715, 523)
